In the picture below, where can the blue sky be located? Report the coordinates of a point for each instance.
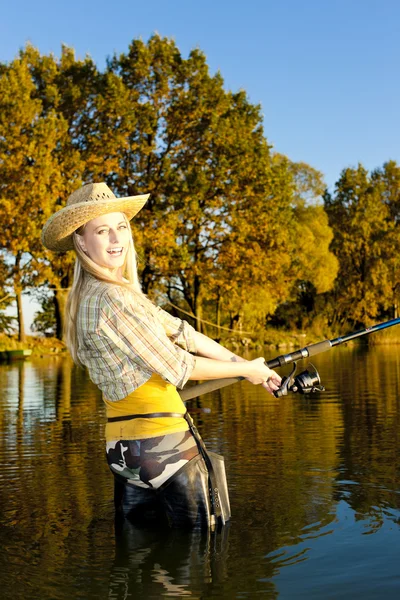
(326, 73)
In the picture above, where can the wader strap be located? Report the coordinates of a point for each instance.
(216, 512)
(145, 416)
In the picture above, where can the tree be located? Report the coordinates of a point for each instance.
(387, 179)
(360, 217)
(43, 104)
(238, 228)
(200, 151)
(29, 173)
(255, 263)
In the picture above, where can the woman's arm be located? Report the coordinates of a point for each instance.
(207, 347)
(213, 361)
(255, 371)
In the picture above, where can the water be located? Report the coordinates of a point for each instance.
(314, 485)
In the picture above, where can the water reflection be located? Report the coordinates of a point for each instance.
(314, 484)
(153, 563)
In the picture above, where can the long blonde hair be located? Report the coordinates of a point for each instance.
(83, 265)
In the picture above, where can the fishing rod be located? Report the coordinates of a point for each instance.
(306, 382)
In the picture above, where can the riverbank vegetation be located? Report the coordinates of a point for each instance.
(40, 346)
(270, 344)
(238, 239)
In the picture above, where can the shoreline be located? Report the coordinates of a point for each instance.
(273, 340)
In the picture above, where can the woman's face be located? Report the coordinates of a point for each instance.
(106, 240)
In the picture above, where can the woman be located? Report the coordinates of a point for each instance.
(137, 354)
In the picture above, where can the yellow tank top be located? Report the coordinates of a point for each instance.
(156, 395)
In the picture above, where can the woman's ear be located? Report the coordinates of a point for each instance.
(81, 242)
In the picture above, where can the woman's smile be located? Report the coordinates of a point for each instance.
(115, 251)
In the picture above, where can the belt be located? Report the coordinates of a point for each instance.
(146, 416)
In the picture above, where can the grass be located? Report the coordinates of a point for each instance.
(38, 345)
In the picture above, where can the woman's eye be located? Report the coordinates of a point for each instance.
(101, 231)
(123, 227)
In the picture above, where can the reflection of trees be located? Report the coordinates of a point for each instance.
(60, 475)
(272, 444)
(285, 457)
(369, 390)
(288, 463)
(20, 365)
(282, 459)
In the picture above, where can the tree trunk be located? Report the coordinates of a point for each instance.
(60, 299)
(18, 295)
(147, 276)
(20, 315)
(198, 309)
(395, 303)
(219, 302)
(199, 314)
(237, 321)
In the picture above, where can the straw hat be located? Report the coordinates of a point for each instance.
(90, 201)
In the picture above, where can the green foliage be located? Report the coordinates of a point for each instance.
(362, 213)
(7, 322)
(317, 265)
(44, 321)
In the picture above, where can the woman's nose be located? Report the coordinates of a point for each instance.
(113, 236)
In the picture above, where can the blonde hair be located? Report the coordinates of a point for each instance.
(83, 265)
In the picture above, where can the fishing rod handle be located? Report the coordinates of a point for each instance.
(319, 347)
(204, 388)
(312, 350)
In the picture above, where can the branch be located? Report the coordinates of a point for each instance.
(5, 297)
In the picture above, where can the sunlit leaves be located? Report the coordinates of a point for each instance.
(363, 215)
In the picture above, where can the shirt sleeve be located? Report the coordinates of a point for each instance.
(178, 330)
(132, 327)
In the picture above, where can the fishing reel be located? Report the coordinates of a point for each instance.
(306, 382)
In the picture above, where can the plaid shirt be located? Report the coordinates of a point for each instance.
(122, 340)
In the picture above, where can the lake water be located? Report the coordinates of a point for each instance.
(314, 487)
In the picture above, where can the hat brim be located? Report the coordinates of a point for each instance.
(58, 230)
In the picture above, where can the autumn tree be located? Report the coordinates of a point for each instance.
(230, 227)
(200, 151)
(280, 248)
(387, 180)
(31, 172)
(365, 242)
(67, 87)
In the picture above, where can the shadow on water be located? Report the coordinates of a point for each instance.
(314, 486)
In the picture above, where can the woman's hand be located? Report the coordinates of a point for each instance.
(255, 371)
(260, 374)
